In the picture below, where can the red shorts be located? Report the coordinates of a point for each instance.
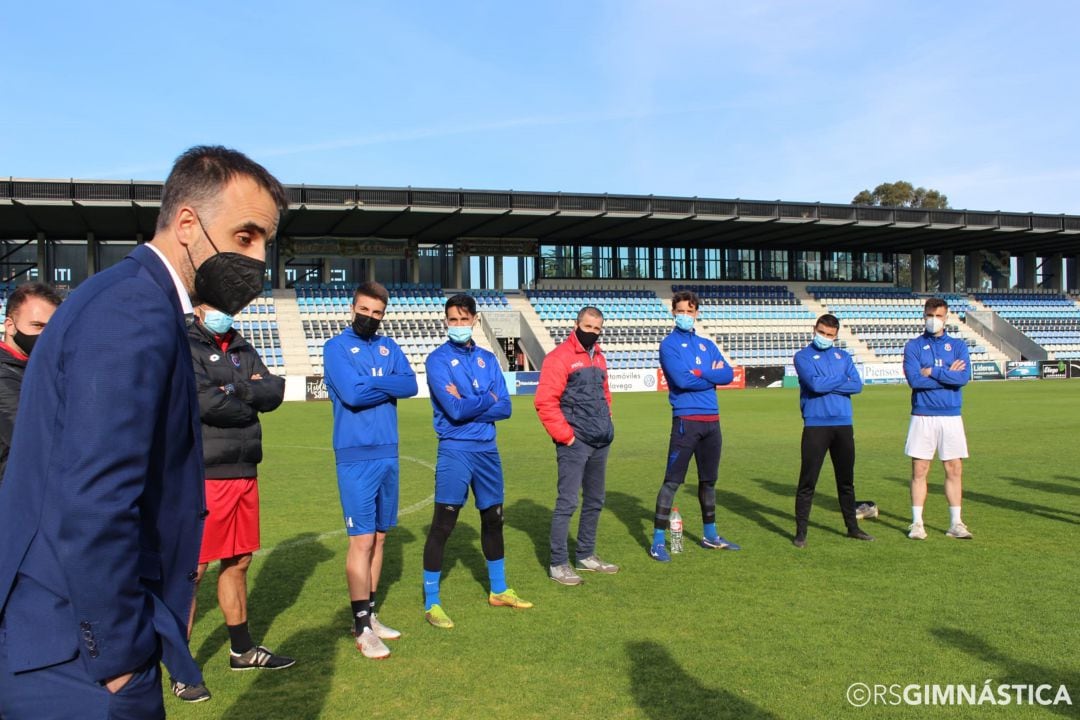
(232, 527)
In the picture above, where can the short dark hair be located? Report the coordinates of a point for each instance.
(589, 310)
(934, 303)
(372, 289)
(463, 301)
(685, 296)
(200, 174)
(828, 320)
(28, 290)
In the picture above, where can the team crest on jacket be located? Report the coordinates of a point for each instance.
(215, 357)
(701, 346)
(235, 359)
(383, 350)
(454, 362)
(480, 362)
(948, 347)
(836, 355)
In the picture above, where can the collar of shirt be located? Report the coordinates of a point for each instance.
(181, 291)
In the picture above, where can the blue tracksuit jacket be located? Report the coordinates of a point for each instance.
(681, 353)
(466, 423)
(827, 380)
(938, 394)
(366, 378)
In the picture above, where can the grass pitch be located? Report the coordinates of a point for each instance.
(768, 632)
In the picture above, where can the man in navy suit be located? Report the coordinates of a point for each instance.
(102, 504)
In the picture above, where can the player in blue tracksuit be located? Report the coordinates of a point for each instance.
(366, 374)
(827, 380)
(936, 366)
(468, 396)
(693, 367)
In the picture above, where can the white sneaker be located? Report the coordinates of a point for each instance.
(959, 531)
(916, 531)
(371, 646)
(384, 632)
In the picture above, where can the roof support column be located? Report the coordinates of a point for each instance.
(369, 270)
(947, 271)
(1071, 264)
(42, 258)
(91, 254)
(1052, 272)
(458, 258)
(1025, 270)
(413, 262)
(498, 272)
(918, 271)
(973, 270)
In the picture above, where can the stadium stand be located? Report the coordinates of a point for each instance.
(885, 318)
(258, 323)
(1050, 319)
(635, 321)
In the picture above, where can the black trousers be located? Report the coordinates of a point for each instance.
(702, 441)
(839, 442)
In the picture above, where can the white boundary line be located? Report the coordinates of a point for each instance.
(420, 505)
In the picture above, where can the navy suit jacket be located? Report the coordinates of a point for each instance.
(102, 505)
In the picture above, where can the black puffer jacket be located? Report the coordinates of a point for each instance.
(11, 377)
(230, 402)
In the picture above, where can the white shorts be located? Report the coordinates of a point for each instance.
(941, 433)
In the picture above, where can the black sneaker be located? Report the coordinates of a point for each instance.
(189, 693)
(259, 658)
(860, 535)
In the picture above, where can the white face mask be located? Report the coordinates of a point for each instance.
(934, 325)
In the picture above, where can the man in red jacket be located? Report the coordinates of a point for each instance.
(574, 404)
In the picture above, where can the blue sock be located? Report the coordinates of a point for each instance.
(497, 575)
(658, 536)
(710, 530)
(431, 589)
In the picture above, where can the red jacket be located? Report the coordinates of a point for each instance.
(572, 398)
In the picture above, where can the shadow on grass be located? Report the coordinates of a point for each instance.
(533, 519)
(1014, 671)
(1044, 511)
(272, 590)
(760, 514)
(635, 516)
(393, 560)
(299, 691)
(664, 691)
(1047, 487)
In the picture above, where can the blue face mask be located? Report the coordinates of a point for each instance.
(459, 333)
(684, 322)
(218, 322)
(821, 342)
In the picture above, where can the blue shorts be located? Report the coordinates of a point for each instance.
(369, 495)
(457, 470)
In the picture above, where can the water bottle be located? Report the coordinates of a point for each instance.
(676, 530)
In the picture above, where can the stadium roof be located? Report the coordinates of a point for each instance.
(111, 210)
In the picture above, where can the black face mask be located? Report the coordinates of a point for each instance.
(25, 342)
(365, 326)
(587, 339)
(227, 280)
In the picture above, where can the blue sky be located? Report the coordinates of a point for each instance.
(800, 101)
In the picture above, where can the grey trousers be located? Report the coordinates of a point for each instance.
(582, 468)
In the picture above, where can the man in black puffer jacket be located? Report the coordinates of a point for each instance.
(234, 386)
